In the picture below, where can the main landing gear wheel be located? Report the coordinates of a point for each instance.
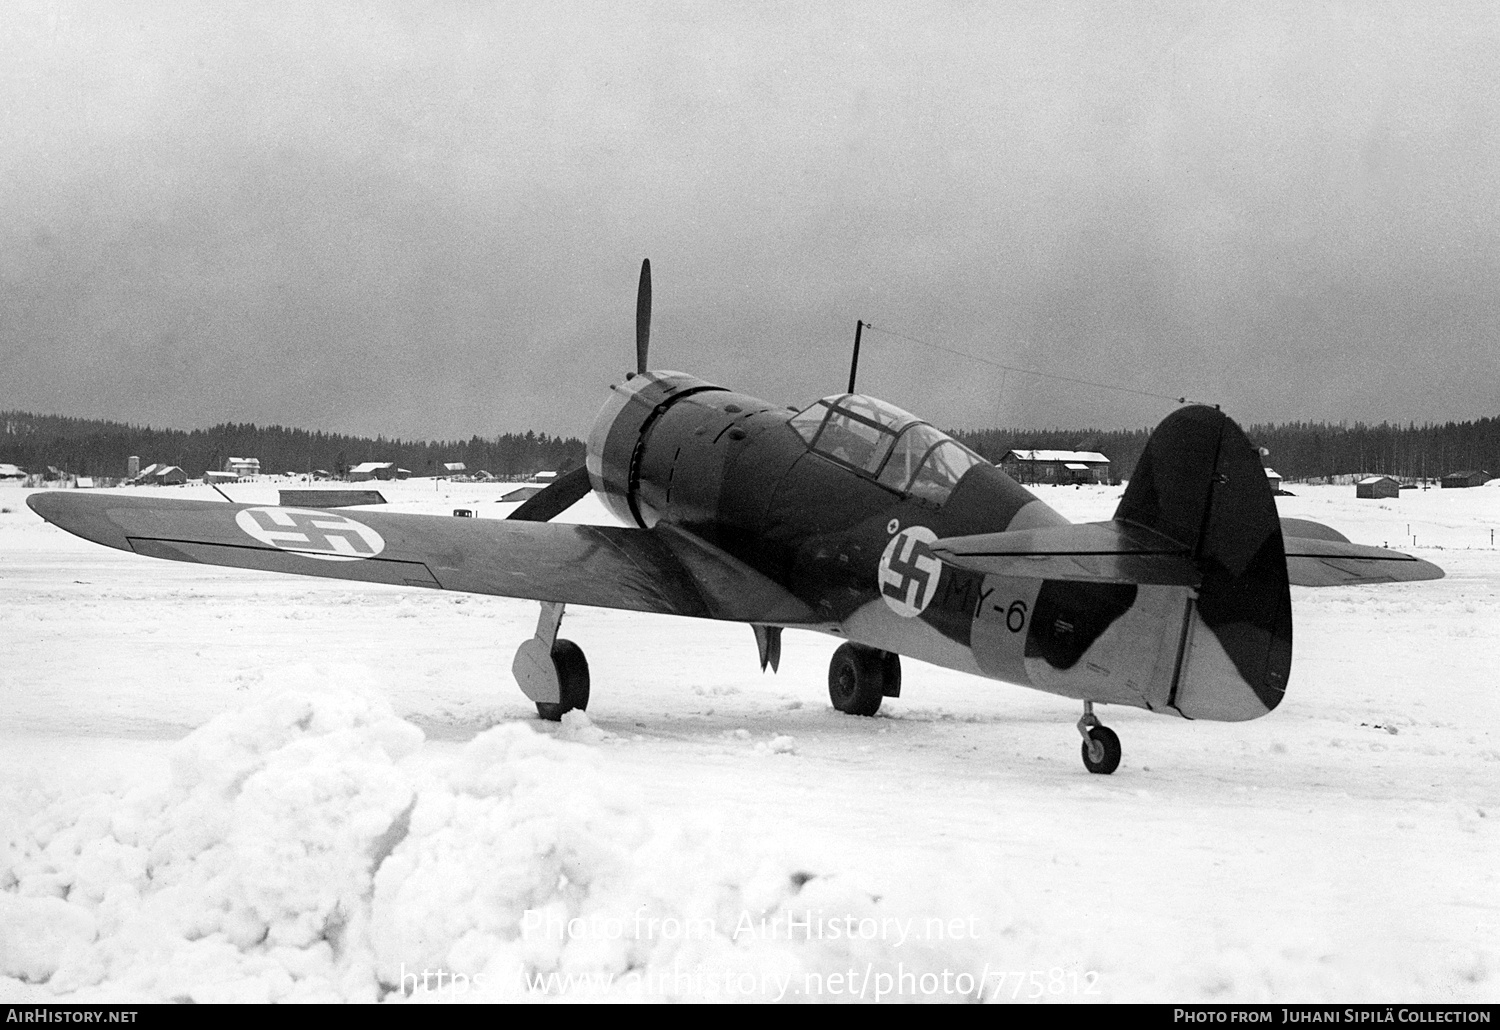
(573, 678)
(550, 671)
(1101, 751)
(860, 677)
(1101, 746)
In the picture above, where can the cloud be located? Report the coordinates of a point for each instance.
(426, 221)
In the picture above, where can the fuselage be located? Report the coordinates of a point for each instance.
(838, 502)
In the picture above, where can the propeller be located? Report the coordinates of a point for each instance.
(554, 498)
(643, 317)
(565, 491)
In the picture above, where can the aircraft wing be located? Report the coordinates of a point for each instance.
(652, 570)
(1122, 552)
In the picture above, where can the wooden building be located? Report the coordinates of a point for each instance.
(1474, 477)
(367, 470)
(1377, 486)
(1062, 467)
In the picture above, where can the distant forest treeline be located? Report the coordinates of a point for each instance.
(1299, 450)
(89, 447)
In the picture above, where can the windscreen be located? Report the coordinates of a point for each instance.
(881, 440)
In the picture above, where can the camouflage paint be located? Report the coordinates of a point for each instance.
(731, 470)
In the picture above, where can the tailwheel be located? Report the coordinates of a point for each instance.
(573, 681)
(860, 677)
(1101, 746)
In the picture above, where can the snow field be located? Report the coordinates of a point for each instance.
(228, 785)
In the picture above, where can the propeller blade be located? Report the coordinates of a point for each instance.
(555, 498)
(643, 317)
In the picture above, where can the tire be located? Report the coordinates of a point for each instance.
(1109, 760)
(573, 677)
(890, 673)
(856, 679)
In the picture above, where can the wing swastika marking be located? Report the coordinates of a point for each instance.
(314, 534)
(909, 571)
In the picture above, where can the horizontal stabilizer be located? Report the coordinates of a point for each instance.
(1312, 562)
(1321, 556)
(1308, 528)
(1119, 552)
(330, 498)
(1095, 552)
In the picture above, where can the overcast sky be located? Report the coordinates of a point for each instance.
(426, 219)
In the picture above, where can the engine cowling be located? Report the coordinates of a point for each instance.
(616, 448)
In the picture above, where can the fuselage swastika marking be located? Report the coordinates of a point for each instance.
(909, 571)
(314, 534)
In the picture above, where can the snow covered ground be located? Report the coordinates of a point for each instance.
(225, 785)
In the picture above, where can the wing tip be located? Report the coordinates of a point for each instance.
(84, 515)
(60, 507)
(40, 502)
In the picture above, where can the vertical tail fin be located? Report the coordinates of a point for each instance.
(1200, 482)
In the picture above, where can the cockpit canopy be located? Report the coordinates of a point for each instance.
(885, 443)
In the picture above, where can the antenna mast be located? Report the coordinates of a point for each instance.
(859, 328)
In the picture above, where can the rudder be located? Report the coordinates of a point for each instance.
(1200, 482)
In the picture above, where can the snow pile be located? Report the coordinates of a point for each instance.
(526, 871)
(244, 878)
(579, 728)
(308, 848)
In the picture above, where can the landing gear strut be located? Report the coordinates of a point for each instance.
(859, 677)
(1101, 747)
(552, 672)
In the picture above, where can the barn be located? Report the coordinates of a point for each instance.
(1274, 479)
(1474, 477)
(1377, 486)
(367, 470)
(1043, 466)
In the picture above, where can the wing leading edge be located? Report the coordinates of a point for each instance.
(652, 570)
